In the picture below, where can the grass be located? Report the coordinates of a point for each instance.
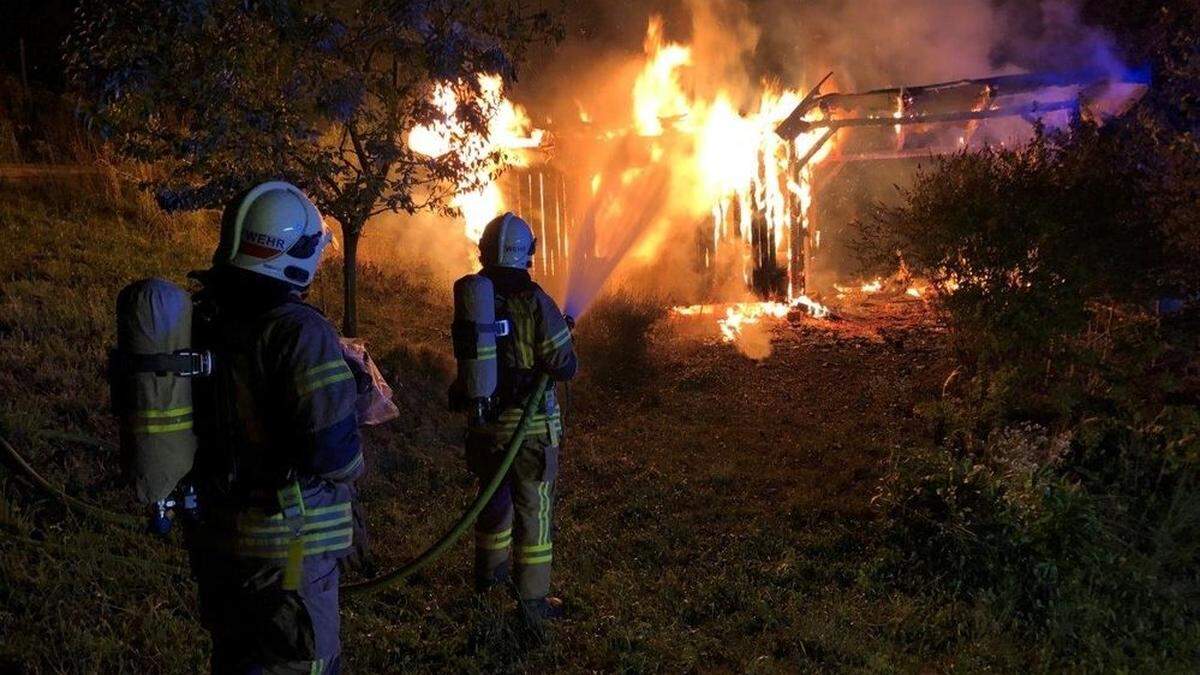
(714, 512)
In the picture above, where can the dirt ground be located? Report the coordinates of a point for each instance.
(714, 516)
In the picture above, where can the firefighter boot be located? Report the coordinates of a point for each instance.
(543, 609)
(486, 580)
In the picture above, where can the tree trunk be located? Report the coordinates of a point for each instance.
(350, 236)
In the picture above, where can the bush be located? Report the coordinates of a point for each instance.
(1084, 539)
(614, 340)
(1060, 492)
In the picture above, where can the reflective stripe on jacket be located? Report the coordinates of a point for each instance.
(327, 528)
(540, 342)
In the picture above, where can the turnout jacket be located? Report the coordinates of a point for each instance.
(539, 342)
(281, 421)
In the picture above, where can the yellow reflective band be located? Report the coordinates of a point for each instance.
(559, 339)
(277, 517)
(320, 510)
(332, 379)
(313, 543)
(544, 513)
(318, 537)
(169, 412)
(318, 369)
(485, 351)
(535, 548)
(535, 560)
(307, 527)
(163, 428)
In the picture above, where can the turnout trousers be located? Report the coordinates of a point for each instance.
(257, 626)
(516, 524)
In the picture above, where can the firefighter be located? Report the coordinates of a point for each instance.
(516, 524)
(279, 444)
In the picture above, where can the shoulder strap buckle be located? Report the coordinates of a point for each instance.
(196, 364)
(500, 328)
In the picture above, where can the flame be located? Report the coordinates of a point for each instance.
(738, 168)
(899, 113)
(738, 315)
(658, 91)
(735, 170)
(510, 134)
(584, 117)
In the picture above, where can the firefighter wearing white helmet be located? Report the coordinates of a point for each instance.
(274, 230)
(279, 445)
(515, 527)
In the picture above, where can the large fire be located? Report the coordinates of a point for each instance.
(744, 173)
(728, 167)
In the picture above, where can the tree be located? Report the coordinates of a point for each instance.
(219, 94)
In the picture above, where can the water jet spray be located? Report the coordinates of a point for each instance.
(601, 249)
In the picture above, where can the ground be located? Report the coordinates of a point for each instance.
(715, 516)
(714, 511)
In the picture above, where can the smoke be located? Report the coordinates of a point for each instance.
(754, 341)
(425, 246)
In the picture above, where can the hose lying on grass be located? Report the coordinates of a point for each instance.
(78, 505)
(367, 587)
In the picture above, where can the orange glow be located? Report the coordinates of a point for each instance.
(658, 93)
(734, 169)
(510, 134)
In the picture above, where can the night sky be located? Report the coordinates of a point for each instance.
(43, 24)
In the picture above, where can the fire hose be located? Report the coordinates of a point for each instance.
(366, 587)
(438, 548)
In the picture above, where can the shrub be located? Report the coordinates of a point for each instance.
(1085, 539)
(614, 340)
(1060, 492)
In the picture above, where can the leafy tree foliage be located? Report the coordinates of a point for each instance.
(223, 93)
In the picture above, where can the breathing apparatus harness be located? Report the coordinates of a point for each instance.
(185, 498)
(142, 315)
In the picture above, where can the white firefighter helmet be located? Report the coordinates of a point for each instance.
(507, 241)
(273, 229)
